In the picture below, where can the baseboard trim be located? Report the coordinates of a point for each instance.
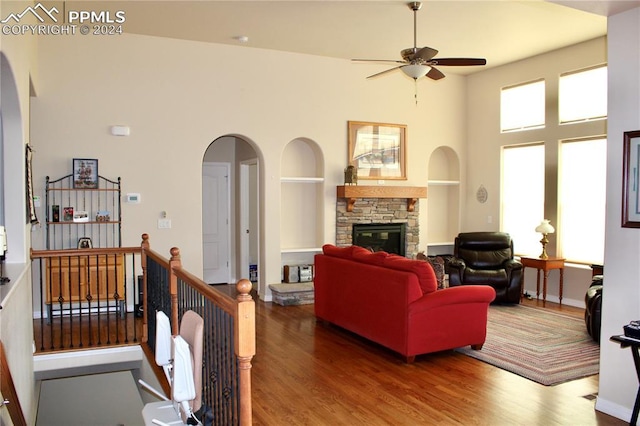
(613, 409)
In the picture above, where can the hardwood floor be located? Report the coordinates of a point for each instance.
(86, 331)
(308, 373)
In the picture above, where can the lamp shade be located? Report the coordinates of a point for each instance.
(545, 227)
(415, 71)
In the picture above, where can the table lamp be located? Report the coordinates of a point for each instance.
(544, 228)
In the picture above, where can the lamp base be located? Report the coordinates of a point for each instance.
(544, 242)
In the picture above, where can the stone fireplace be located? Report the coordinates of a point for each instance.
(379, 205)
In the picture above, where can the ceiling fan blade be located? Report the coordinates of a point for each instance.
(384, 72)
(383, 61)
(435, 74)
(426, 53)
(460, 62)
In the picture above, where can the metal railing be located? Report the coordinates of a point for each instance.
(90, 298)
(229, 332)
(85, 298)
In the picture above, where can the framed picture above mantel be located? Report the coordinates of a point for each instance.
(377, 150)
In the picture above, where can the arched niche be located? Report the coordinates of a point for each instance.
(302, 201)
(443, 220)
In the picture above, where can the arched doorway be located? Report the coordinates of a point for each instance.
(230, 203)
(12, 151)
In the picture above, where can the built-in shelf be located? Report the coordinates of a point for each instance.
(443, 209)
(443, 182)
(301, 202)
(302, 179)
(353, 192)
(301, 250)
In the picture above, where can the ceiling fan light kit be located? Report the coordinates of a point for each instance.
(415, 71)
(419, 62)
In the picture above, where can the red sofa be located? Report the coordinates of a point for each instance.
(394, 301)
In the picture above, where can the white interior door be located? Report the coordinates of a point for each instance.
(215, 223)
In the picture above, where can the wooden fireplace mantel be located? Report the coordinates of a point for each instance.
(353, 192)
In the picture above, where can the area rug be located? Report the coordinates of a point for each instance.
(544, 346)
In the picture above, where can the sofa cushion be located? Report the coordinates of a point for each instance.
(423, 270)
(363, 255)
(342, 252)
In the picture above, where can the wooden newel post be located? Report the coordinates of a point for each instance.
(174, 262)
(245, 346)
(143, 260)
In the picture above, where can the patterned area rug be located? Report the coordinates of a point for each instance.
(544, 346)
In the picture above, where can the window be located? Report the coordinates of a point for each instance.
(582, 199)
(522, 107)
(583, 95)
(523, 195)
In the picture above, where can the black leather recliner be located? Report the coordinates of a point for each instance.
(593, 308)
(487, 258)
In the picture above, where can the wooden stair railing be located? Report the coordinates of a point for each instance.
(170, 288)
(8, 391)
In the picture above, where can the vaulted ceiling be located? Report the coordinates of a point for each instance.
(501, 31)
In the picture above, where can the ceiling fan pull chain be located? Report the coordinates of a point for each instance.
(415, 90)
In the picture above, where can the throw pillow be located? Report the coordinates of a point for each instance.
(343, 252)
(437, 263)
(365, 256)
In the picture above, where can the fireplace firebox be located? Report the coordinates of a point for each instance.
(389, 237)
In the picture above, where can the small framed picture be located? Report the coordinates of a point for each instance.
(68, 214)
(55, 213)
(80, 216)
(85, 173)
(103, 216)
(84, 243)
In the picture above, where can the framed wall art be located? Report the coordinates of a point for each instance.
(31, 209)
(631, 180)
(377, 150)
(85, 173)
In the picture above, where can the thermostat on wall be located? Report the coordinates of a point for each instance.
(133, 198)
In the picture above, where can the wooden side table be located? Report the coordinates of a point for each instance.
(544, 265)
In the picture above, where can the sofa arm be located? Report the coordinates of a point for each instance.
(460, 295)
(456, 271)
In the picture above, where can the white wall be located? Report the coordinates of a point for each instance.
(178, 96)
(19, 78)
(621, 295)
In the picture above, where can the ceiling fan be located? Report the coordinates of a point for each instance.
(419, 62)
